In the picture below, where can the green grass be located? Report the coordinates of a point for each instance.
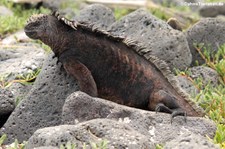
(120, 12)
(13, 23)
(212, 99)
(220, 137)
(23, 79)
(215, 60)
(159, 13)
(26, 79)
(94, 145)
(14, 145)
(10, 24)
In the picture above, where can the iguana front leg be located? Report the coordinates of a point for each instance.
(83, 75)
(161, 101)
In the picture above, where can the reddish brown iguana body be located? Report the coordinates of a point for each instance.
(111, 67)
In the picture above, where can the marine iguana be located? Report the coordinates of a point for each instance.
(110, 67)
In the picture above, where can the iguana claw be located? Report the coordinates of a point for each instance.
(178, 112)
(162, 108)
(174, 112)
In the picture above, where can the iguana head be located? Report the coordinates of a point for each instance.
(41, 26)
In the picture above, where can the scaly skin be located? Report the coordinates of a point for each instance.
(108, 68)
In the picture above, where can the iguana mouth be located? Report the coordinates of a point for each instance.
(30, 33)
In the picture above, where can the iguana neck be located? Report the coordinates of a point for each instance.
(57, 38)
